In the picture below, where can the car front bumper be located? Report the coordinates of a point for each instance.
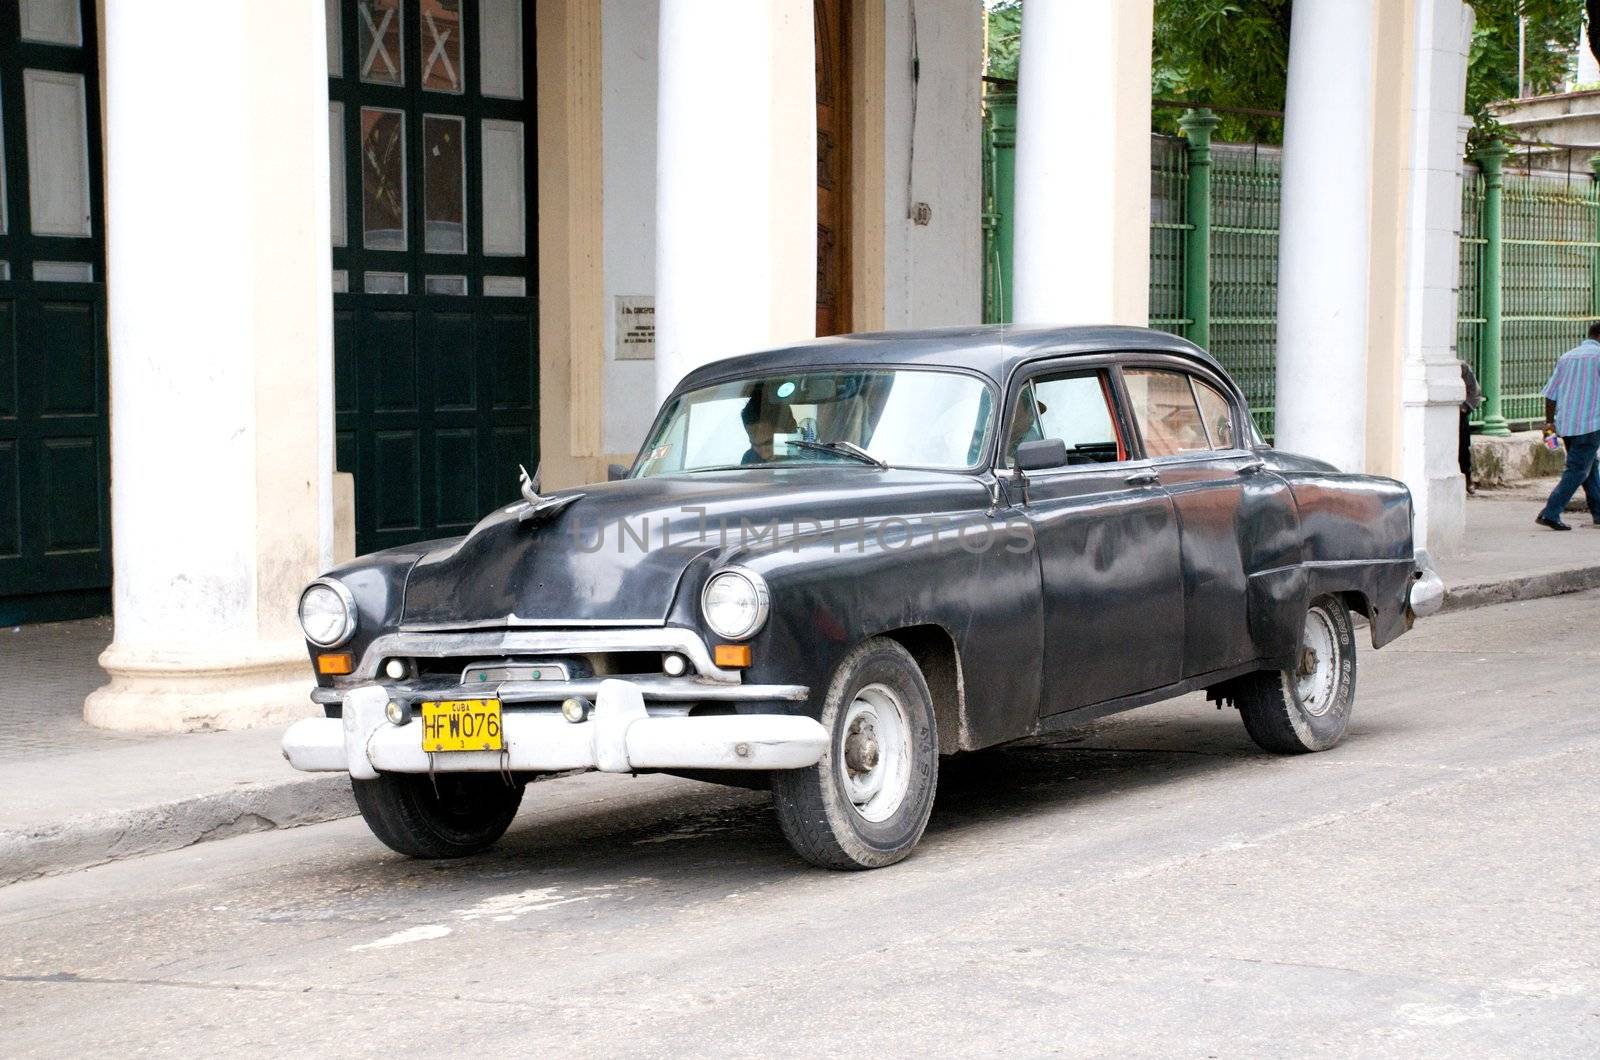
(619, 736)
(1426, 595)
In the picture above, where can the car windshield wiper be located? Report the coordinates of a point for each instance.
(849, 449)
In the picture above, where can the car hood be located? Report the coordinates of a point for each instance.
(618, 553)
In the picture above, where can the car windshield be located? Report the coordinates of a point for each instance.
(896, 417)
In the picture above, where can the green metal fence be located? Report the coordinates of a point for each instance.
(1530, 257)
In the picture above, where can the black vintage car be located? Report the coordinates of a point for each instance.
(832, 564)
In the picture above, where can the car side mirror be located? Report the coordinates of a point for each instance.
(1040, 454)
(616, 472)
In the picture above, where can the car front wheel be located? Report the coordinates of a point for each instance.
(450, 815)
(1306, 708)
(866, 803)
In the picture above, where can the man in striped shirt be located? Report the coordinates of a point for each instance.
(1572, 410)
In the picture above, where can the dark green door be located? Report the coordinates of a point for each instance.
(432, 143)
(55, 527)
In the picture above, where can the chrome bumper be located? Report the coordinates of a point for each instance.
(619, 736)
(1426, 595)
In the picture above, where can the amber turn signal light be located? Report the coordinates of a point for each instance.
(732, 656)
(336, 664)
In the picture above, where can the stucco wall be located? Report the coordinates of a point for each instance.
(628, 115)
(933, 272)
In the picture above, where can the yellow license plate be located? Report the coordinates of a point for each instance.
(462, 725)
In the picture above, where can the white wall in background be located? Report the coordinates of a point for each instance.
(933, 274)
(628, 139)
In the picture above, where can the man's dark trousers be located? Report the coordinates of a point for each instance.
(1582, 470)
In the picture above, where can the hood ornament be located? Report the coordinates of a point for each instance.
(539, 509)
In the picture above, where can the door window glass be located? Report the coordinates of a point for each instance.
(335, 30)
(58, 152)
(1074, 408)
(444, 184)
(500, 49)
(337, 217)
(52, 22)
(440, 40)
(1217, 416)
(383, 179)
(381, 38)
(505, 223)
(1164, 405)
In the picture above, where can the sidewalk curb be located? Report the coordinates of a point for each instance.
(1530, 587)
(314, 798)
(100, 838)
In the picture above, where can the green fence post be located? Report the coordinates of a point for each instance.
(1491, 158)
(1198, 126)
(1002, 108)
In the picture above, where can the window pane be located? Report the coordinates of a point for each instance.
(58, 153)
(63, 272)
(341, 281)
(52, 21)
(504, 215)
(336, 164)
(335, 28)
(505, 286)
(1165, 408)
(440, 39)
(1072, 408)
(456, 285)
(383, 179)
(3, 216)
(1217, 415)
(382, 36)
(500, 49)
(384, 282)
(444, 184)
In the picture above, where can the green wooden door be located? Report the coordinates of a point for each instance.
(432, 144)
(55, 527)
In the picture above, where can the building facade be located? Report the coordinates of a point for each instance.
(421, 242)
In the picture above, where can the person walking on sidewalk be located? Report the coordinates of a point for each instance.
(1469, 404)
(1572, 410)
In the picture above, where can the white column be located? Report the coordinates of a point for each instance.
(1431, 384)
(735, 181)
(1324, 245)
(1083, 163)
(221, 367)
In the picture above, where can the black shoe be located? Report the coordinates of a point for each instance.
(1554, 524)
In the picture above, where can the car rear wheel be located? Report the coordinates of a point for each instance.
(459, 815)
(1307, 708)
(866, 803)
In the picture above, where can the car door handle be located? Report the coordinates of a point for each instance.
(1252, 467)
(1142, 478)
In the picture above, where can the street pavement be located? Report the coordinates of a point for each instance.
(1151, 887)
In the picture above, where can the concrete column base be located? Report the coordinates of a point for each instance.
(191, 693)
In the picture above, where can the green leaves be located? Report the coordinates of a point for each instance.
(1235, 53)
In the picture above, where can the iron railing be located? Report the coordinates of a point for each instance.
(1530, 255)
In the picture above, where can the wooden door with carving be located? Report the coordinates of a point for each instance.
(833, 166)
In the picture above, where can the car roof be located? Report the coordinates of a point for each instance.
(993, 350)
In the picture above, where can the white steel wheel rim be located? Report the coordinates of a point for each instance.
(875, 753)
(1316, 678)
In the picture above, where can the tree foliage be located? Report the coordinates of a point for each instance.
(1235, 53)
(1229, 53)
(1554, 27)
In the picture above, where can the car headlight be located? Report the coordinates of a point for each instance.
(735, 603)
(327, 613)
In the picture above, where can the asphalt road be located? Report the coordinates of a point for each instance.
(1153, 887)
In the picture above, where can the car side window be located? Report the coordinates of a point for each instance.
(1074, 407)
(1217, 415)
(1164, 404)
